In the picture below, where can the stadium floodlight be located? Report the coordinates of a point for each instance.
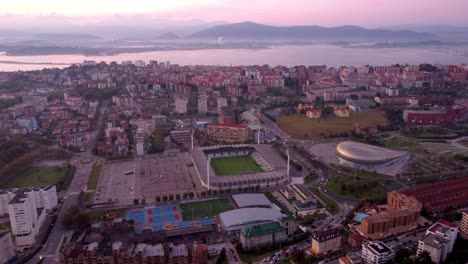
(208, 172)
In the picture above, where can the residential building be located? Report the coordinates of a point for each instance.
(401, 214)
(7, 250)
(228, 133)
(123, 101)
(314, 113)
(324, 242)
(342, 111)
(440, 196)
(142, 253)
(226, 116)
(376, 253)
(26, 208)
(350, 258)
(221, 102)
(262, 235)
(464, 225)
(439, 240)
(181, 103)
(435, 245)
(355, 241)
(202, 103)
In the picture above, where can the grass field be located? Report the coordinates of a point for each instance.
(94, 176)
(330, 203)
(303, 128)
(36, 176)
(359, 172)
(234, 165)
(203, 209)
(356, 189)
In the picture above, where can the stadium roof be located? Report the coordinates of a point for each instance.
(365, 153)
(251, 200)
(238, 218)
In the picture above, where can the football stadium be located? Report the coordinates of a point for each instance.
(225, 167)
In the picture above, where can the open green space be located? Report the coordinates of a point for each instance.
(329, 202)
(301, 127)
(37, 176)
(94, 176)
(356, 189)
(402, 143)
(359, 172)
(204, 209)
(234, 165)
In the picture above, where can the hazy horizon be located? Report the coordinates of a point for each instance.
(329, 13)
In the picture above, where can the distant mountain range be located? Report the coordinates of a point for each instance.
(255, 31)
(169, 36)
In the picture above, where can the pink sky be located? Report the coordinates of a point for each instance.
(279, 12)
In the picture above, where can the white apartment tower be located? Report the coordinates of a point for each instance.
(222, 102)
(202, 103)
(27, 208)
(181, 105)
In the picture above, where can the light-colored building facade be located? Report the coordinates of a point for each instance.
(464, 225)
(202, 103)
(439, 240)
(181, 105)
(221, 102)
(27, 208)
(376, 253)
(437, 247)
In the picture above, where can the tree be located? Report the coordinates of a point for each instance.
(222, 257)
(136, 201)
(81, 221)
(157, 142)
(298, 256)
(401, 254)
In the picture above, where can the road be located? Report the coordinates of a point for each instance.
(50, 249)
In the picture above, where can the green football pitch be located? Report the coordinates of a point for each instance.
(199, 210)
(234, 165)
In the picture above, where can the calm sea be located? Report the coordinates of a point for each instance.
(332, 56)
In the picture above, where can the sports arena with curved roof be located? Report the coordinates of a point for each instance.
(361, 153)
